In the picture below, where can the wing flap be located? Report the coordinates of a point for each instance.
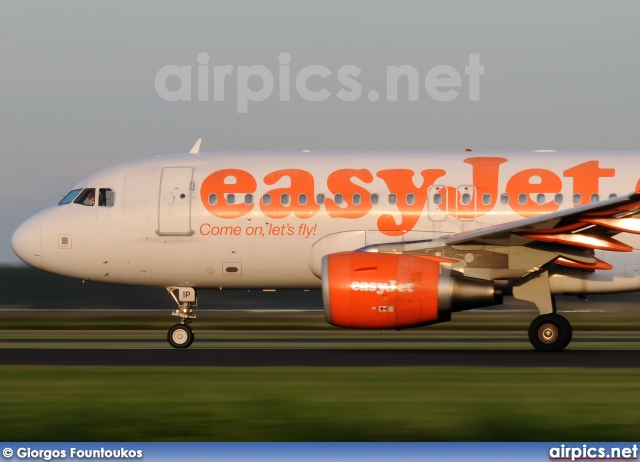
(597, 265)
(581, 240)
(626, 225)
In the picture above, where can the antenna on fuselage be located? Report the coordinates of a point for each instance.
(196, 147)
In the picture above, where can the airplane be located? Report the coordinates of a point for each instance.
(393, 239)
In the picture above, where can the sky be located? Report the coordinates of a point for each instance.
(85, 85)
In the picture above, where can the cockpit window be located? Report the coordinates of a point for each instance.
(71, 195)
(106, 197)
(86, 197)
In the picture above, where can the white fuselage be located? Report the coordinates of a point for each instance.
(255, 220)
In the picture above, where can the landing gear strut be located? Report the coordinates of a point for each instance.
(549, 331)
(181, 335)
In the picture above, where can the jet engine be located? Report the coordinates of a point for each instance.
(368, 290)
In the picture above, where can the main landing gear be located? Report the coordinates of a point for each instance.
(181, 335)
(549, 331)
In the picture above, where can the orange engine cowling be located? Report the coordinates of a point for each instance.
(367, 290)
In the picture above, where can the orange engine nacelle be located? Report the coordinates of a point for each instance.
(387, 291)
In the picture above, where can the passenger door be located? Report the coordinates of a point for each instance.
(174, 207)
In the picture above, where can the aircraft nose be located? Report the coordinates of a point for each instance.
(26, 242)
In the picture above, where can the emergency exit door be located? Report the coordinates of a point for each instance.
(174, 207)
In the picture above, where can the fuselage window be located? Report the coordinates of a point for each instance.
(302, 199)
(595, 198)
(504, 198)
(393, 199)
(357, 199)
(338, 199)
(486, 199)
(611, 196)
(70, 196)
(540, 199)
(285, 199)
(320, 199)
(437, 198)
(106, 198)
(86, 197)
(374, 199)
(248, 199)
(577, 198)
(231, 199)
(213, 199)
(522, 199)
(411, 199)
(266, 199)
(465, 199)
(558, 199)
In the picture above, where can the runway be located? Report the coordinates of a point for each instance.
(297, 357)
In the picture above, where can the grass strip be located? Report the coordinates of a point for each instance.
(318, 404)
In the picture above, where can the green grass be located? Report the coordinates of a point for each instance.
(318, 404)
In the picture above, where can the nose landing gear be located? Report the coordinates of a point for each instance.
(181, 335)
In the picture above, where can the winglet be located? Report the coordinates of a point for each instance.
(196, 147)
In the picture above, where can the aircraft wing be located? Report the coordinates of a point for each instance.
(589, 226)
(512, 250)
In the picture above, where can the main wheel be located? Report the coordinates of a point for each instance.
(180, 336)
(550, 332)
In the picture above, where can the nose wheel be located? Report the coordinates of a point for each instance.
(180, 336)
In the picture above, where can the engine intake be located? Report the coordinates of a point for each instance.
(383, 291)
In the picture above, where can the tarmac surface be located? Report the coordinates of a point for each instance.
(334, 357)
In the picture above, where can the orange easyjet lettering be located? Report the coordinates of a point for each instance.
(586, 179)
(282, 200)
(485, 178)
(356, 200)
(400, 182)
(217, 187)
(544, 184)
(228, 193)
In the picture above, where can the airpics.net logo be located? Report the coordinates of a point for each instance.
(256, 83)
